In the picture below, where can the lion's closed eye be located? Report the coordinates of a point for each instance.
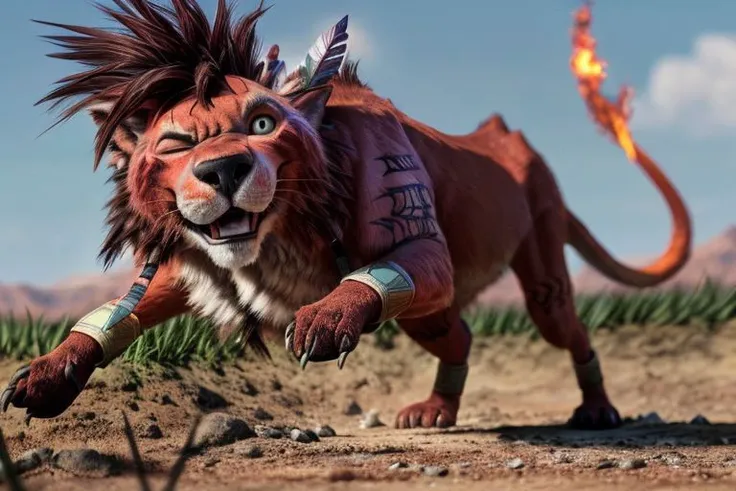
(171, 143)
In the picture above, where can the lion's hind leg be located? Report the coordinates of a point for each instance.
(447, 337)
(539, 265)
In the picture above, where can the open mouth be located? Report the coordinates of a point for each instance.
(233, 226)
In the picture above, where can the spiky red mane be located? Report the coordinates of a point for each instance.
(167, 54)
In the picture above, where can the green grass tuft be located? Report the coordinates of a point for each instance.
(187, 339)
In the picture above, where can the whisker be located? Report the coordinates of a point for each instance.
(159, 201)
(155, 223)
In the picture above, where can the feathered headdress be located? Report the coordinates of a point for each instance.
(324, 60)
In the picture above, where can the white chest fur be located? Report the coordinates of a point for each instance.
(273, 289)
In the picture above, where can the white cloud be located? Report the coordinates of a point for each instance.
(360, 45)
(696, 92)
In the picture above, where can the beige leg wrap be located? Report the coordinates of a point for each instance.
(589, 374)
(113, 340)
(450, 379)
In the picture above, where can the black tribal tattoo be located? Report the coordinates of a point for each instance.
(398, 163)
(550, 293)
(411, 214)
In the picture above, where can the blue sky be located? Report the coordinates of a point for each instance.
(449, 64)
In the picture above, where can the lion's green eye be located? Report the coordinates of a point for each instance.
(262, 125)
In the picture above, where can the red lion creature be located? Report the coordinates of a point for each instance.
(310, 202)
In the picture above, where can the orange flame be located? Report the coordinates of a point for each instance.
(612, 117)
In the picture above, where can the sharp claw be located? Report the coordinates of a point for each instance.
(312, 347)
(341, 359)
(289, 335)
(7, 396)
(22, 372)
(72, 377)
(345, 344)
(303, 361)
(27, 419)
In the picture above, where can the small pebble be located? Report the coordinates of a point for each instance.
(515, 464)
(371, 420)
(268, 432)
(398, 465)
(435, 471)
(632, 464)
(699, 420)
(353, 409)
(651, 419)
(211, 462)
(299, 436)
(325, 431)
(153, 431)
(166, 400)
(249, 389)
(132, 405)
(262, 414)
(251, 451)
(606, 464)
(312, 435)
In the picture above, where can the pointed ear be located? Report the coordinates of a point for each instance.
(311, 103)
(126, 135)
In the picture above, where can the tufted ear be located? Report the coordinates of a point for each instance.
(127, 134)
(312, 103)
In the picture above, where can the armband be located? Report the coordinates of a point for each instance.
(391, 282)
(113, 339)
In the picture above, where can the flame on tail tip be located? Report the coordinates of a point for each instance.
(590, 71)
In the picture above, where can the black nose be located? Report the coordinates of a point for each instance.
(225, 173)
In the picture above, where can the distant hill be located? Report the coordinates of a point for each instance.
(73, 297)
(76, 296)
(714, 259)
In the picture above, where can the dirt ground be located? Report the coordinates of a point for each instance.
(519, 392)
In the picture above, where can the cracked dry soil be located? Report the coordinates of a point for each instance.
(518, 393)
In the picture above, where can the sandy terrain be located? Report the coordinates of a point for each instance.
(517, 392)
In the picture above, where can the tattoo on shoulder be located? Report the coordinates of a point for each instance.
(411, 215)
(398, 163)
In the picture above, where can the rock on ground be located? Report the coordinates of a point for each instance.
(85, 461)
(218, 429)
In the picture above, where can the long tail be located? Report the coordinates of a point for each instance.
(663, 268)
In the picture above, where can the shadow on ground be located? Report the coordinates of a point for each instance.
(631, 435)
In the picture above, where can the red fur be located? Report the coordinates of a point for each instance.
(445, 336)
(335, 323)
(46, 393)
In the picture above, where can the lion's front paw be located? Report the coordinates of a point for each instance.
(330, 329)
(49, 385)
